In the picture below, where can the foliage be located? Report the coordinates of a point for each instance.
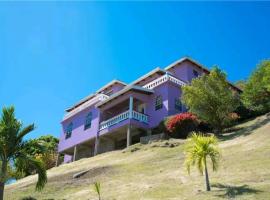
(97, 189)
(44, 149)
(13, 149)
(240, 84)
(182, 124)
(197, 149)
(256, 94)
(211, 98)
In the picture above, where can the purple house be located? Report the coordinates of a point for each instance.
(118, 114)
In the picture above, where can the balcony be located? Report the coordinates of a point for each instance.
(162, 80)
(123, 116)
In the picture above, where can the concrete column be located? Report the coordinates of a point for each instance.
(149, 132)
(57, 160)
(96, 145)
(75, 153)
(128, 135)
(130, 106)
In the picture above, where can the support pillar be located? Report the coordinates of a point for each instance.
(75, 153)
(149, 132)
(57, 160)
(128, 135)
(96, 145)
(130, 106)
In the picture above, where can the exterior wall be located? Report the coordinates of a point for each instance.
(106, 145)
(175, 92)
(67, 158)
(184, 71)
(79, 135)
(158, 115)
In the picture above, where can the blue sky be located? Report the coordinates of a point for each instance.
(54, 54)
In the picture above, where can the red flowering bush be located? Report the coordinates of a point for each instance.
(181, 125)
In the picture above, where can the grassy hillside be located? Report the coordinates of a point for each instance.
(155, 171)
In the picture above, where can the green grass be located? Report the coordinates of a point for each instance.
(157, 172)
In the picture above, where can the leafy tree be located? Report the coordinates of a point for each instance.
(198, 148)
(13, 149)
(240, 84)
(44, 149)
(256, 94)
(211, 98)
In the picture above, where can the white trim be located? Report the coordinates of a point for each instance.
(99, 97)
(162, 80)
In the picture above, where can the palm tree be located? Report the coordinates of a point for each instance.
(12, 149)
(97, 189)
(198, 148)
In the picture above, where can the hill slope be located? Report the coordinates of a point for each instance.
(155, 171)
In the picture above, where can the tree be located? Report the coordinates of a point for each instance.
(211, 98)
(43, 148)
(256, 94)
(240, 84)
(197, 149)
(12, 149)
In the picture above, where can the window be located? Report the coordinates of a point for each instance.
(69, 130)
(158, 102)
(195, 73)
(178, 104)
(88, 121)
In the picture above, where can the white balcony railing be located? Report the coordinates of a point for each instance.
(99, 97)
(121, 117)
(162, 80)
(139, 116)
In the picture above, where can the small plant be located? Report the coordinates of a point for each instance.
(97, 189)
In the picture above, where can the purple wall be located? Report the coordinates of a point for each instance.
(79, 135)
(184, 71)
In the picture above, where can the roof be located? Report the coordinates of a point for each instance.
(80, 102)
(154, 71)
(198, 65)
(93, 95)
(129, 87)
(111, 83)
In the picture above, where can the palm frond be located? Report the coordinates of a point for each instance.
(24, 161)
(197, 148)
(25, 131)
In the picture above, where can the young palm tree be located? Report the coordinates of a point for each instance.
(12, 149)
(198, 148)
(97, 189)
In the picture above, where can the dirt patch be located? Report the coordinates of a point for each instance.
(90, 175)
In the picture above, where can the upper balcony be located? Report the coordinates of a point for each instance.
(162, 80)
(129, 114)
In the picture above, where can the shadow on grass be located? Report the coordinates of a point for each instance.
(234, 191)
(244, 131)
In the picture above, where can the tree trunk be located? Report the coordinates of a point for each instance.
(3, 178)
(206, 176)
(2, 187)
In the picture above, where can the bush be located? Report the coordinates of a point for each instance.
(179, 126)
